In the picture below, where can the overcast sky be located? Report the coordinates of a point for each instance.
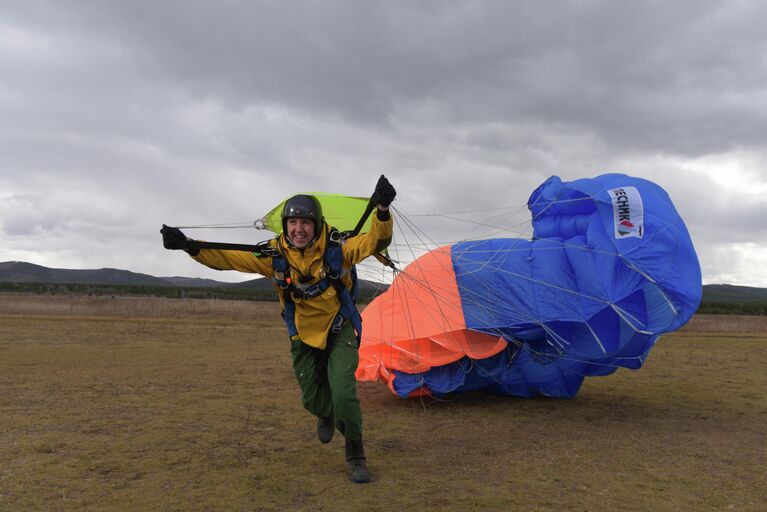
(118, 116)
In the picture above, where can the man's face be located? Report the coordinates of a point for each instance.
(300, 231)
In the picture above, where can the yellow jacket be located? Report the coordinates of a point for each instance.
(314, 317)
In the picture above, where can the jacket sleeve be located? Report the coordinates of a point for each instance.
(241, 261)
(376, 240)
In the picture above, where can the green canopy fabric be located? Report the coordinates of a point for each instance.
(341, 212)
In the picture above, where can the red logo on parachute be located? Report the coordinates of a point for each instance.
(627, 223)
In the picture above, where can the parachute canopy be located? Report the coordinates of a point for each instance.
(341, 212)
(610, 268)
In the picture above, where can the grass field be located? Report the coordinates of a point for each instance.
(161, 404)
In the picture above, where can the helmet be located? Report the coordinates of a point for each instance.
(302, 207)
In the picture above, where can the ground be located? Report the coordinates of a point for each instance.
(161, 404)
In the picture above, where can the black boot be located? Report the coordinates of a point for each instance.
(325, 429)
(355, 461)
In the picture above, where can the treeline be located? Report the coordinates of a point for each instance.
(173, 292)
(134, 289)
(733, 308)
(366, 295)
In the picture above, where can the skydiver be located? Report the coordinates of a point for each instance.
(321, 326)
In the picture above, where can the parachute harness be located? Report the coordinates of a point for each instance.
(331, 274)
(333, 270)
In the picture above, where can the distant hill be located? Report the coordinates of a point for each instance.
(22, 272)
(194, 282)
(732, 293)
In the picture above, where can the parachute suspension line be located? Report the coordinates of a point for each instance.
(429, 244)
(625, 317)
(552, 247)
(439, 299)
(233, 225)
(513, 229)
(478, 303)
(550, 285)
(513, 209)
(491, 293)
(377, 275)
(549, 204)
(425, 284)
(636, 269)
(417, 355)
(567, 357)
(414, 228)
(499, 229)
(462, 258)
(555, 338)
(483, 304)
(519, 345)
(403, 298)
(630, 316)
(668, 301)
(495, 232)
(630, 264)
(428, 285)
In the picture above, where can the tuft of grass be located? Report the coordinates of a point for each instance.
(158, 404)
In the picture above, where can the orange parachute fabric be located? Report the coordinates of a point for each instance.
(435, 333)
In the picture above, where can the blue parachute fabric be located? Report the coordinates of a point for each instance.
(610, 268)
(523, 373)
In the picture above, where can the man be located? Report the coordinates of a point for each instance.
(312, 273)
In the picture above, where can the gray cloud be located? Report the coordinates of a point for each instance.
(115, 116)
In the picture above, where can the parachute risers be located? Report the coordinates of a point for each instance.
(434, 332)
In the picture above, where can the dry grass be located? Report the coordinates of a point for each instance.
(136, 307)
(727, 325)
(159, 404)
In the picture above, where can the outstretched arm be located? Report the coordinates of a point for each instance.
(243, 261)
(360, 247)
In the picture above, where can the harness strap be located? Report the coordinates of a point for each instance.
(333, 260)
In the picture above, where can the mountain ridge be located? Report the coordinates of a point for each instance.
(24, 272)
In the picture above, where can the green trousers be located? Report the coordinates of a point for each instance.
(326, 378)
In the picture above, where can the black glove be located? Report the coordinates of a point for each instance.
(173, 238)
(384, 193)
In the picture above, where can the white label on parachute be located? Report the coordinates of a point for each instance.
(628, 212)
